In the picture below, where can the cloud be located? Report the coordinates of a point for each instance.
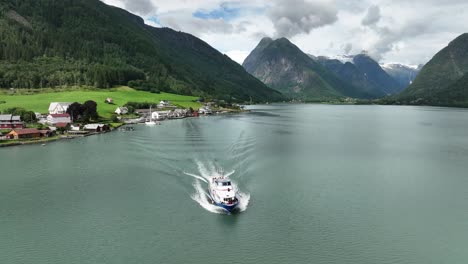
(389, 38)
(347, 48)
(391, 30)
(293, 17)
(238, 55)
(372, 17)
(143, 7)
(197, 26)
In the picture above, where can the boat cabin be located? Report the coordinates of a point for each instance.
(220, 182)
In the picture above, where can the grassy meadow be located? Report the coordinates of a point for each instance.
(39, 101)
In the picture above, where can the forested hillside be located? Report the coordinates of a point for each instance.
(48, 43)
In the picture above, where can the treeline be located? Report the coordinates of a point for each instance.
(46, 72)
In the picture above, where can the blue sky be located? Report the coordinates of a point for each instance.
(222, 12)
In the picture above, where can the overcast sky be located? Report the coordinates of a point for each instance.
(408, 32)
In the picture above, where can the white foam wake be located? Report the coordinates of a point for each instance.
(201, 196)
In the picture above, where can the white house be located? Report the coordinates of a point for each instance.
(96, 127)
(75, 128)
(160, 115)
(178, 113)
(93, 126)
(58, 108)
(164, 104)
(58, 118)
(121, 110)
(205, 110)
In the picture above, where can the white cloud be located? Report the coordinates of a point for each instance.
(391, 30)
(293, 17)
(237, 55)
(372, 17)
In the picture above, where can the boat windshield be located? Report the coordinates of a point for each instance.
(224, 183)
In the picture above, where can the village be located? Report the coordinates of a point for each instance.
(59, 122)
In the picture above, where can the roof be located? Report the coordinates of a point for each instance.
(61, 124)
(10, 118)
(93, 126)
(53, 105)
(5, 117)
(26, 131)
(59, 115)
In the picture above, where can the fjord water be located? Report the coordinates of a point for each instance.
(322, 184)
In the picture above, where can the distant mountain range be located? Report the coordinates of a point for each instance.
(284, 67)
(403, 74)
(443, 80)
(49, 43)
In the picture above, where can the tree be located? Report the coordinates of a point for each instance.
(89, 110)
(115, 118)
(75, 111)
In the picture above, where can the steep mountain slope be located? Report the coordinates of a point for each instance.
(434, 83)
(403, 74)
(372, 70)
(348, 72)
(48, 43)
(455, 95)
(284, 67)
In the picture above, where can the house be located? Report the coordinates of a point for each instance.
(142, 112)
(10, 121)
(24, 133)
(160, 115)
(60, 125)
(164, 104)
(121, 110)
(75, 127)
(47, 133)
(96, 127)
(58, 118)
(58, 108)
(178, 113)
(109, 101)
(205, 110)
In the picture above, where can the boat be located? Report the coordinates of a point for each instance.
(222, 193)
(150, 122)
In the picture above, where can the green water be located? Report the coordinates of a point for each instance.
(327, 184)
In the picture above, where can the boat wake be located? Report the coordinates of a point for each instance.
(201, 196)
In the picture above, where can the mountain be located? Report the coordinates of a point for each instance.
(345, 69)
(456, 94)
(376, 74)
(441, 80)
(49, 43)
(284, 67)
(362, 71)
(403, 74)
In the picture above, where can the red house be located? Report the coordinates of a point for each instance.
(10, 121)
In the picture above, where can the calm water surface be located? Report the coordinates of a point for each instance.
(320, 184)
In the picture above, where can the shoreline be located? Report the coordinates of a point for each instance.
(116, 128)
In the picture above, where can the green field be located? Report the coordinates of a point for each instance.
(39, 102)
